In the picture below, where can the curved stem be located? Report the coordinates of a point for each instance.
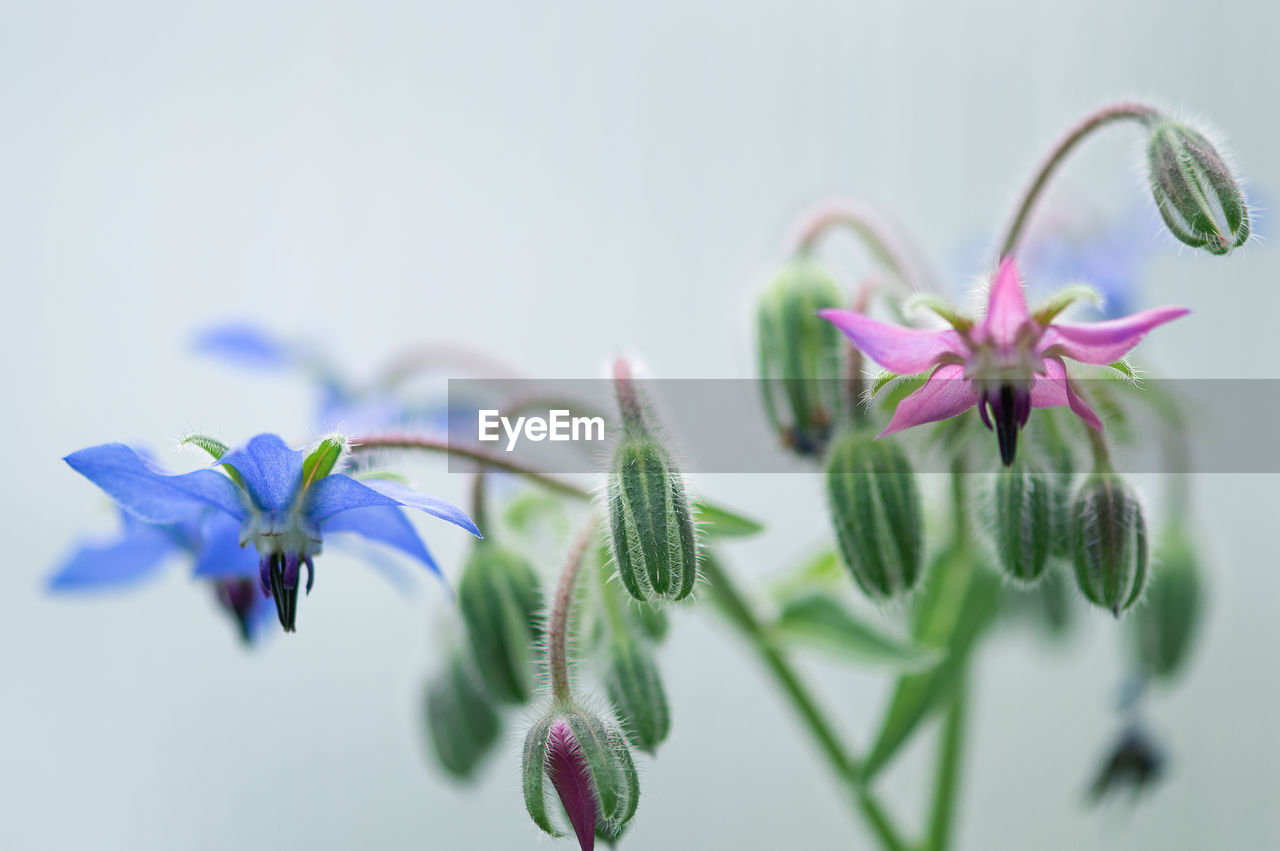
(842, 763)
(1094, 120)
(862, 221)
(367, 443)
(558, 624)
(1098, 446)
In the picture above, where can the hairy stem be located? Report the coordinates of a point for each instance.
(845, 767)
(628, 400)
(370, 443)
(1091, 122)
(864, 222)
(558, 624)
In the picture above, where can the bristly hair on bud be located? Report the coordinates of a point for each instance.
(1109, 543)
(1021, 521)
(635, 690)
(652, 534)
(875, 510)
(1198, 196)
(801, 356)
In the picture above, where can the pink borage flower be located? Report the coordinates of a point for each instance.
(1007, 364)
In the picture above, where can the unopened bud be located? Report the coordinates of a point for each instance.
(462, 723)
(875, 509)
(1163, 628)
(589, 765)
(1109, 543)
(651, 527)
(501, 606)
(1195, 191)
(801, 356)
(1022, 522)
(635, 690)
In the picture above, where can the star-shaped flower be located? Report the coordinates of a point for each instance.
(1007, 364)
(284, 499)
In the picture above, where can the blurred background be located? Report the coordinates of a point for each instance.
(558, 183)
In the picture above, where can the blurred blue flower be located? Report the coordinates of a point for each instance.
(284, 501)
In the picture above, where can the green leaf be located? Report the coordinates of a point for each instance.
(822, 570)
(1064, 298)
(940, 306)
(323, 459)
(216, 448)
(715, 520)
(529, 508)
(958, 604)
(818, 621)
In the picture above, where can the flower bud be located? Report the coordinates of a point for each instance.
(800, 356)
(501, 605)
(1109, 543)
(1164, 627)
(650, 524)
(1022, 522)
(462, 723)
(590, 768)
(635, 690)
(1195, 191)
(875, 508)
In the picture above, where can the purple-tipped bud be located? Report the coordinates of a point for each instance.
(589, 765)
(1195, 191)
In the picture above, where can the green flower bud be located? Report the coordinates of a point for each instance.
(501, 607)
(1022, 522)
(650, 524)
(1195, 191)
(1163, 629)
(635, 690)
(462, 723)
(591, 771)
(875, 508)
(801, 356)
(1109, 543)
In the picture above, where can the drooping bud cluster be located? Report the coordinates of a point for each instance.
(462, 723)
(1022, 522)
(1163, 629)
(590, 768)
(800, 356)
(1198, 197)
(501, 606)
(875, 509)
(653, 539)
(1109, 542)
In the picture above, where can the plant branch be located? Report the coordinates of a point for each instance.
(558, 623)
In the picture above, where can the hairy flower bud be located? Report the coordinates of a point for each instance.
(800, 356)
(462, 723)
(589, 765)
(875, 508)
(1195, 191)
(651, 527)
(1109, 543)
(1164, 627)
(501, 605)
(635, 690)
(1022, 522)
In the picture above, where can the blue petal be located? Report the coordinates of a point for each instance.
(386, 525)
(151, 493)
(243, 345)
(127, 560)
(336, 493)
(221, 556)
(270, 470)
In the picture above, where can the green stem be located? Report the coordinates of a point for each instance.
(558, 623)
(866, 224)
(1091, 122)
(845, 767)
(949, 756)
(433, 444)
(1098, 446)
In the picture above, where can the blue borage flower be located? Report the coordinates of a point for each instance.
(284, 499)
(211, 539)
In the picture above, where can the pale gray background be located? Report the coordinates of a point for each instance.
(556, 182)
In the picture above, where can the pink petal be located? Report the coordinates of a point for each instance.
(1006, 307)
(945, 394)
(901, 350)
(571, 777)
(1053, 389)
(1105, 342)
